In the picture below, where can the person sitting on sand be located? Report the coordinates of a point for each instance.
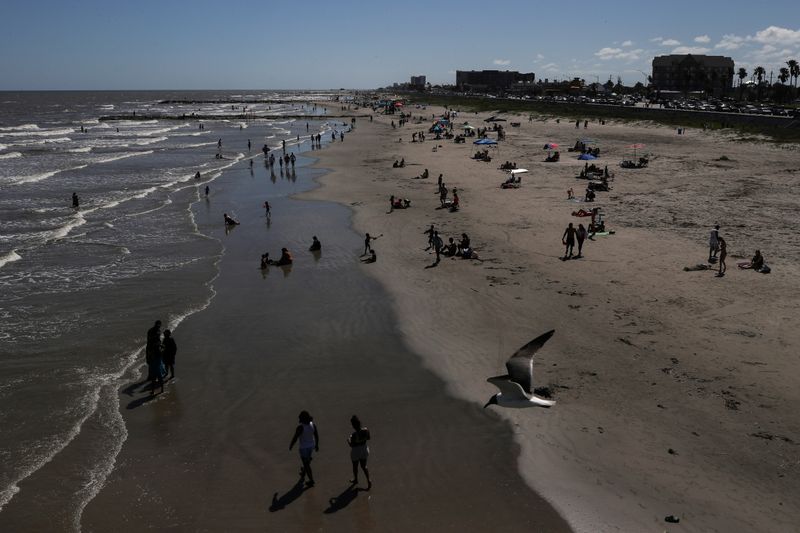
(229, 221)
(315, 245)
(402, 163)
(424, 175)
(570, 194)
(396, 164)
(454, 204)
(264, 261)
(756, 263)
(464, 244)
(285, 259)
(450, 249)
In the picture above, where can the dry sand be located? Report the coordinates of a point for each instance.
(676, 390)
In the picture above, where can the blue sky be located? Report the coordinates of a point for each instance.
(203, 44)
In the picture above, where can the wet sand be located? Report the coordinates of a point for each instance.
(211, 453)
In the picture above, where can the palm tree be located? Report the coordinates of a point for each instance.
(742, 74)
(759, 73)
(783, 76)
(794, 70)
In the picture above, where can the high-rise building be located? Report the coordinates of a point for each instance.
(418, 81)
(482, 80)
(689, 72)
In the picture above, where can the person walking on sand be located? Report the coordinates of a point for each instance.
(359, 450)
(308, 436)
(437, 245)
(207, 191)
(568, 240)
(367, 240)
(76, 203)
(170, 350)
(580, 234)
(723, 252)
(267, 209)
(713, 244)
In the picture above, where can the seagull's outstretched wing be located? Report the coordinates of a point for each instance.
(520, 366)
(508, 388)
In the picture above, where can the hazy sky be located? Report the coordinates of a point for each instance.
(203, 44)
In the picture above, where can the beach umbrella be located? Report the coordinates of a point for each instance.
(635, 147)
(485, 141)
(586, 157)
(551, 146)
(519, 171)
(468, 127)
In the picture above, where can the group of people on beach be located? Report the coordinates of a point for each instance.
(306, 435)
(462, 248)
(160, 356)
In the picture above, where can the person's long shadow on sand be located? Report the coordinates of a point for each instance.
(280, 503)
(344, 499)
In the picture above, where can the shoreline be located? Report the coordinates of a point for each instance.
(200, 438)
(597, 455)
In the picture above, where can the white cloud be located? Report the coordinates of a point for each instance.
(702, 39)
(670, 42)
(627, 43)
(656, 39)
(690, 50)
(777, 36)
(502, 62)
(539, 57)
(551, 67)
(608, 53)
(730, 41)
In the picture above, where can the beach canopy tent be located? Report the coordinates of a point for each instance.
(637, 146)
(468, 127)
(485, 141)
(519, 171)
(586, 157)
(551, 146)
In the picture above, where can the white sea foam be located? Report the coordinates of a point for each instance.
(10, 155)
(10, 257)
(80, 150)
(122, 156)
(21, 127)
(38, 132)
(3, 146)
(63, 231)
(145, 142)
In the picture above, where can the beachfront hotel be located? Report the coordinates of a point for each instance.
(689, 72)
(491, 80)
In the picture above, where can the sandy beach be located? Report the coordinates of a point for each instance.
(675, 389)
(211, 452)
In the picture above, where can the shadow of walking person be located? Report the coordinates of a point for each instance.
(280, 503)
(341, 501)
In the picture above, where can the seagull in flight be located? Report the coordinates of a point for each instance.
(516, 387)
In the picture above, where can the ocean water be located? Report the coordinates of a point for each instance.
(77, 285)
